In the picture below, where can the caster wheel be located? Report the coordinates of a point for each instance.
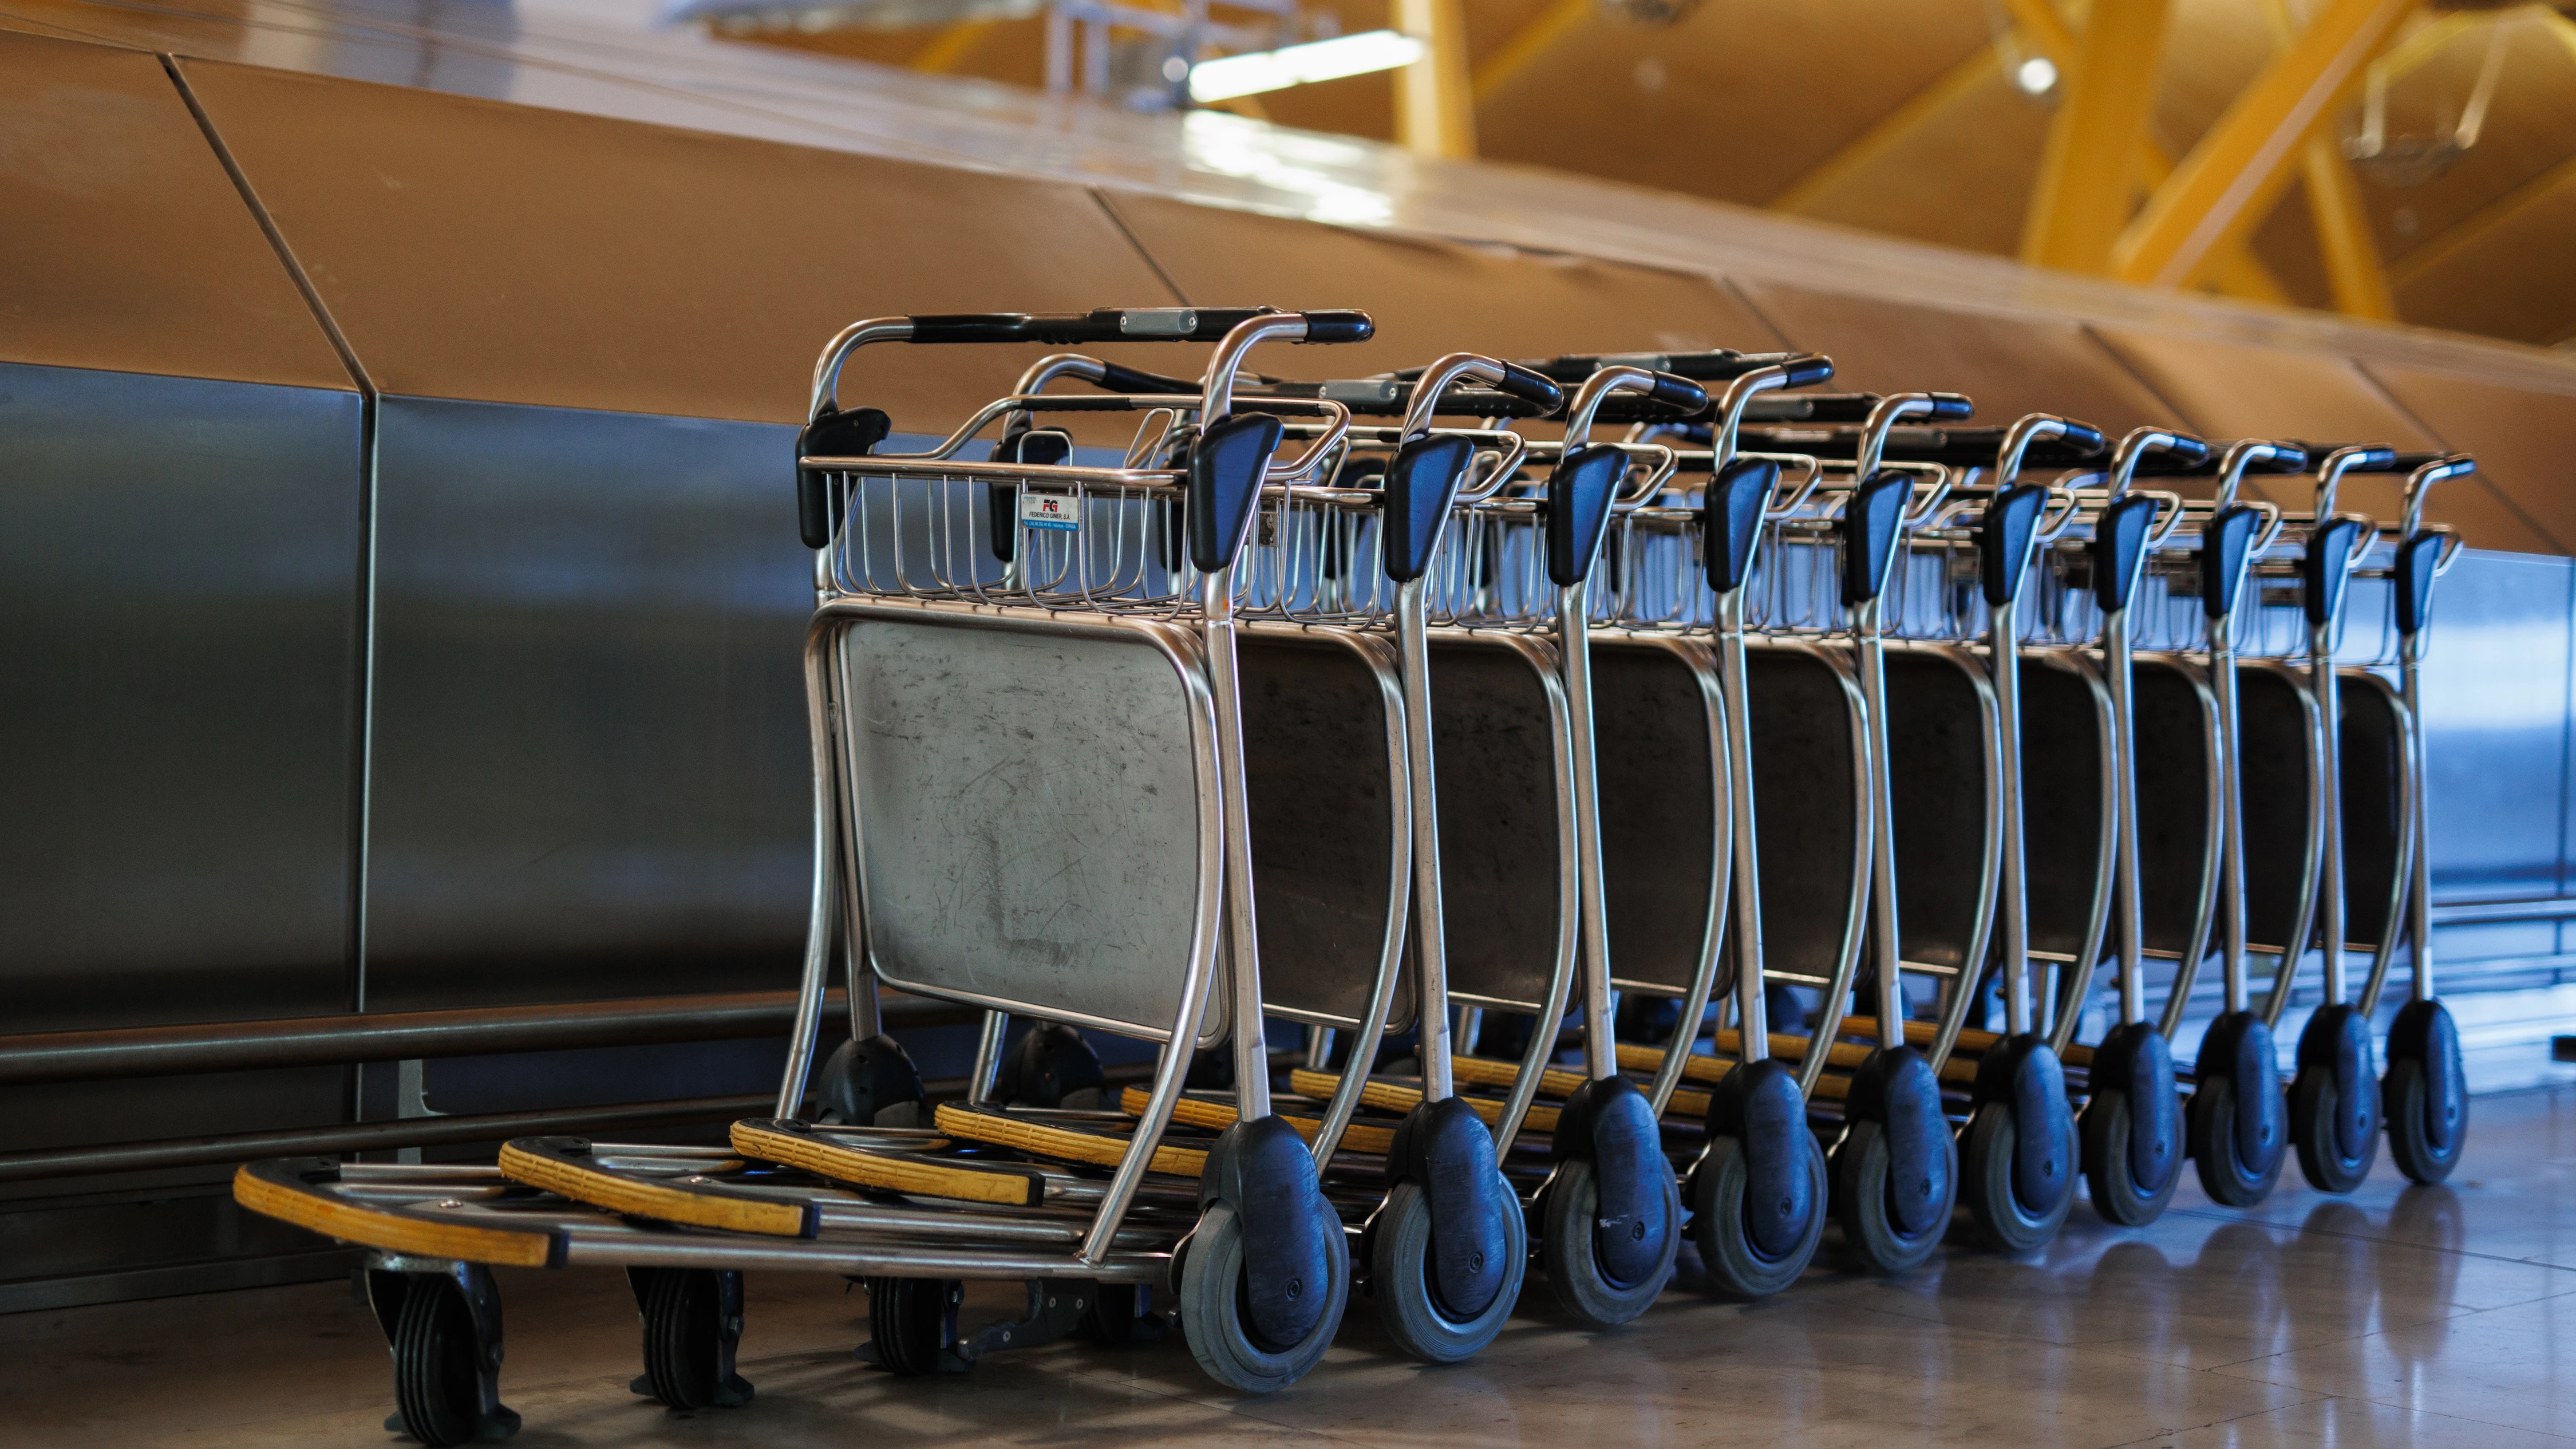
(2004, 1217)
(2228, 1173)
(2327, 1129)
(1864, 1200)
(438, 1379)
(1215, 1316)
(1401, 1278)
(1570, 1244)
(2108, 1124)
(691, 1324)
(1719, 1226)
(2404, 1094)
(912, 1321)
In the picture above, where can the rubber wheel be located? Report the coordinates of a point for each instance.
(438, 1387)
(1214, 1321)
(2116, 1195)
(2002, 1218)
(684, 1333)
(1860, 1201)
(1717, 1222)
(1574, 1268)
(909, 1320)
(2209, 1129)
(2402, 1096)
(1400, 1279)
(2313, 1105)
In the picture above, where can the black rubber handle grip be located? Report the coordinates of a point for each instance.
(1809, 370)
(2291, 459)
(1823, 407)
(2004, 539)
(1678, 392)
(1421, 480)
(2417, 555)
(1115, 377)
(1869, 528)
(836, 434)
(2084, 438)
(1536, 388)
(1067, 329)
(1227, 464)
(1949, 407)
(1731, 519)
(2327, 567)
(1339, 327)
(1579, 494)
(2372, 460)
(2224, 542)
(2119, 546)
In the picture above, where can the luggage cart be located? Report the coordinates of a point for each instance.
(2425, 1093)
(1146, 636)
(2236, 1127)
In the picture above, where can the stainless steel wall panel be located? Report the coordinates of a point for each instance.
(178, 615)
(2497, 698)
(590, 775)
(102, 174)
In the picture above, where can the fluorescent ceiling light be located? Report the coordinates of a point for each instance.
(1229, 76)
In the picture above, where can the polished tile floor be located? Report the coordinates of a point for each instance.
(2441, 1316)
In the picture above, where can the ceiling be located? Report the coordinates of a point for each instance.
(1902, 117)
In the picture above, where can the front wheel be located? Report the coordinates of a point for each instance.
(692, 1321)
(1213, 1317)
(1400, 1276)
(1569, 1241)
(912, 1322)
(438, 1376)
(1720, 1226)
(2109, 1164)
(1863, 1200)
(1994, 1202)
(2227, 1174)
(2318, 1125)
(2405, 1095)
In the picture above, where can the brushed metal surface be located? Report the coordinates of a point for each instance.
(1808, 785)
(1656, 723)
(102, 169)
(1940, 752)
(2497, 692)
(1506, 886)
(589, 734)
(1029, 807)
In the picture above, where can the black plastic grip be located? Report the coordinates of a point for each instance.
(2292, 458)
(1823, 407)
(1227, 464)
(2224, 542)
(1678, 392)
(2372, 460)
(1579, 494)
(1731, 519)
(1536, 388)
(1339, 327)
(1949, 407)
(1809, 370)
(1066, 329)
(1117, 378)
(836, 434)
(1868, 528)
(2328, 566)
(1421, 480)
(2004, 538)
(2119, 547)
(2417, 555)
(2084, 439)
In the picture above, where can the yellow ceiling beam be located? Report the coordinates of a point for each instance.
(1435, 99)
(1890, 131)
(949, 46)
(1536, 38)
(2083, 195)
(2223, 188)
(2355, 275)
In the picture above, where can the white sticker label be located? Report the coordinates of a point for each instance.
(1049, 510)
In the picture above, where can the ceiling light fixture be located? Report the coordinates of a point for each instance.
(1230, 76)
(2036, 76)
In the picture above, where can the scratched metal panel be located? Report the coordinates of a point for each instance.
(2496, 686)
(1939, 743)
(1657, 741)
(1030, 808)
(1495, 758)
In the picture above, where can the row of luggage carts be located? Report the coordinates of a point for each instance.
(1682, 807)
